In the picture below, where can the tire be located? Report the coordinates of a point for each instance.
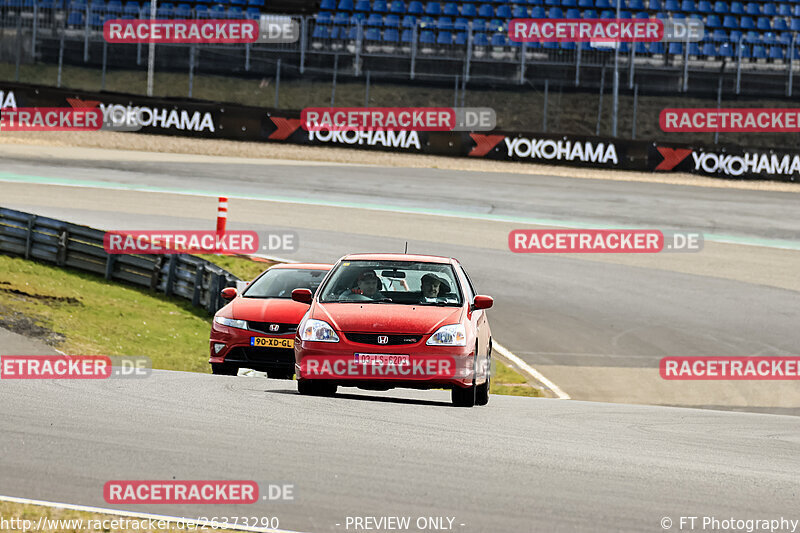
(310, 387)
(463, 397)
(280, 374)
(223, 369)
(482, 392)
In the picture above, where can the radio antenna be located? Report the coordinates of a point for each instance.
(406, 248)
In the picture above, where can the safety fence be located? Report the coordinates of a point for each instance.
(70, 245)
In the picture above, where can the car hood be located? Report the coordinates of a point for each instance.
(280, 310)
(386, 318)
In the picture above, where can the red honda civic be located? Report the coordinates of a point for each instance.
(257, 328)
(395, 320)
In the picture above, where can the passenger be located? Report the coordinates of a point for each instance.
(367, 285)
(433, 286)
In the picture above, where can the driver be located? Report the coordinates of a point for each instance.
(367, 285)
(433, 286)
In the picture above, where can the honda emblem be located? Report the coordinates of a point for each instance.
(274, 327)
(383, 339)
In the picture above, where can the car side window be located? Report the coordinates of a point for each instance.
(470, 289)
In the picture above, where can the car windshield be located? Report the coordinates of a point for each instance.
(400, 282)
(280, 282)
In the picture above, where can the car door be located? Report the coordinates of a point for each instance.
(477, 317)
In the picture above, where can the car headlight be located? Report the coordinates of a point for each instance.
(230, 322)
(452, 335)
(318, 330)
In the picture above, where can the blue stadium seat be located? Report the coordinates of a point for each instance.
(752, 37)
(694, 49)
(496, 25)
(640, 48)
(257, 3)
(688, 6)
(719, 36)
(759, 52)
(407, 36)
(785, 38)
(585, 3)
(433, 9)
(321, 32)
(200, 11)
(642, 15)
(372, 34)
(784, 10)
(737, 8)
(709, 50)
(461, 24)
(75, 18)
(358, 18)
(427, 37)
(445, 37)
(573, 13)
(379, 6)
(184, 11)
(779, 24)
(551, 3)
(770, 10)
(328, 5)
(499, 39)
(392, 21)
(746, 23)
(607, 14)
(567, 45)
(415, 8)
(796, 10)
(602, 4)
(451, 9)
(736, 35)
(165, 11)
(795, 25)
(720, 7)
(712, 21)
(654, 5)
(479, 25)
(730, 22)
(744, 50)
(409, 21)
(624, 48)
(115, 7)
(521, 12)
(341, 18)
(568, 3)
(550, 46)
(625, 14)
(398, 7)
(538, 12)
(769, 38)
(675, 48)
(636, 5)
(725, 50)
(480, 39)
(764, 24)
(656, 48)
(427, 22)
(590, 14)
(351, 34)
(345, 5)
(486, 11)
(752, 9)
(672, 5)
(503, 11)
(555, 13)
(363, 5)
(235, 12)
(391, 36)
(374, 19)
(461, 38)
(469, 10)
(444, 23)
(704, 6)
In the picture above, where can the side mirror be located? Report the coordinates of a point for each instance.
(482, 302)
(229, 293)
(302, 295)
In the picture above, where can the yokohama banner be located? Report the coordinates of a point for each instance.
(202, 119)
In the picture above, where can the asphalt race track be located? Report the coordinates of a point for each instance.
(518, 464)
(596, 326)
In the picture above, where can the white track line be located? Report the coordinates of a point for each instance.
(528, 369)
(146, 516)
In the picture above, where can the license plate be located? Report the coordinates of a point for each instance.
(382, 359)
(271, 342)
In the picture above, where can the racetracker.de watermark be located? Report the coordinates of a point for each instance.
(603, 241)
(398, 119)
(745, 120)
(730, 368)
(74, 367)
(199, 242)
(211, 31)
(195, 492)
(605, 30)
(50, 119)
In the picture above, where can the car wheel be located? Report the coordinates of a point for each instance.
(310, 387)
(482, 391)
(280, 374)
(465, 397)
(223, 369)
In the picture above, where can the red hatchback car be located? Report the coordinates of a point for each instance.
(395, 320)
(257, 328)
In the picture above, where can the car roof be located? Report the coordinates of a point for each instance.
(303, 266)
(399, 257)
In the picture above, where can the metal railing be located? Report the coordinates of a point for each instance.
(81, 247)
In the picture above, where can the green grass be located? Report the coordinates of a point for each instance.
(241, 267)
(82, 313)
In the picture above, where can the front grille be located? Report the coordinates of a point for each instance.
(372, 338)
(263, 327)
(281, 356)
